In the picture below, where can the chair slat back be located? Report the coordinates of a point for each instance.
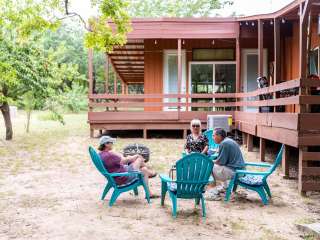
(193, 172)
(277, 161)
(99, 164)
(212, 143)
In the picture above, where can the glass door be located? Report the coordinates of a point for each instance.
(201, 82)
(212, 77)
(170, 77)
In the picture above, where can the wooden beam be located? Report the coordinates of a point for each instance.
(126, 54)
(303, 33)
(90, 70)
(238, 65)
(145, 133)
(106, 72)
(285, 161)
(179, 70)
(128, 64)
(244, 139)
(260, 48)
(250, 142)
(262, 150)
(277, 53)
(302, 164)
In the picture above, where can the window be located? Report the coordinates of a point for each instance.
(314, 62)
(213, 54)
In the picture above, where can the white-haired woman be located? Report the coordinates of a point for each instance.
(196, 142)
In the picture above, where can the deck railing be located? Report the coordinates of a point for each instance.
(184, 102)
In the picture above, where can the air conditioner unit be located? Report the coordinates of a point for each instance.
(219, 121)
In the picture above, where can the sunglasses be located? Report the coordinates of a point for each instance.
(195, 126)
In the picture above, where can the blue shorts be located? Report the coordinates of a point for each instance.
(131, 178)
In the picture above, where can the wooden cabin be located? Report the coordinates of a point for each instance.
(192, 67)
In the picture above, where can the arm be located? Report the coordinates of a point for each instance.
(128, 159)
(222, 158)
(206, 143)
(187, 146)
(205, 150)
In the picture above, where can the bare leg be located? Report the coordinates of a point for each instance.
(139, 165)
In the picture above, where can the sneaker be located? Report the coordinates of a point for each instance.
(213, 195)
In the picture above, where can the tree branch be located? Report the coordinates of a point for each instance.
(73, 14)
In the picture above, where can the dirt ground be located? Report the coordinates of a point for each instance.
(49, 189)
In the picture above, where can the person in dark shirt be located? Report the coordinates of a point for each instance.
(116, 163)
(196, 142)
(228, 161)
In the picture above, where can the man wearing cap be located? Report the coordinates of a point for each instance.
(228, 161)
(116, 163)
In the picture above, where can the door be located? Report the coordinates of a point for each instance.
(170, 76)
(211, 77)
(250, 73)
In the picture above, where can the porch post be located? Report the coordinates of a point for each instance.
(122, 87)
(238, 65)
(106, 73)
(115, 85)
(179, 71)
(90, 70)
(90, 88)
(277, 63)
(262, 150)
(260, 48)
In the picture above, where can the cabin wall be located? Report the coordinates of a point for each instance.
(154, 61)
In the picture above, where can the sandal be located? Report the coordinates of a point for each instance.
(153, 175)
(154, 196)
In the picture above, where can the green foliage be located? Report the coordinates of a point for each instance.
(174, 8)
(75, 99)
(66, 48)
(103, 36)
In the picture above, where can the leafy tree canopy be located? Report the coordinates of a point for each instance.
(174, 8)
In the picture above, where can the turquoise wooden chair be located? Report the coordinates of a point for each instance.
(212, 143)
(193, 174)
(117, 190)
(256, 181)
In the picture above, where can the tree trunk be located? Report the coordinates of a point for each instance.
(28, 120)
(5, 110)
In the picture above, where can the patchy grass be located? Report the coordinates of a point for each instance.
(51, 190)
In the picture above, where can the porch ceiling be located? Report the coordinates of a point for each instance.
(128, 61)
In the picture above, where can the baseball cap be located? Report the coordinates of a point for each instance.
(106, 139)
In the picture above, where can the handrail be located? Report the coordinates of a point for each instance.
(275, 88)
(228, 99)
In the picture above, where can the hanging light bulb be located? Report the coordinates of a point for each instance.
(247, 23)
(271, 22)
(182, 42)
(155, 42)
(252, 23)
(240, 23)
(283, 20)
(212, 42)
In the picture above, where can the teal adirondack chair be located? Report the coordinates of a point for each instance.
(212, 143)
(193, 174)
(256, 181)
(117, 190)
